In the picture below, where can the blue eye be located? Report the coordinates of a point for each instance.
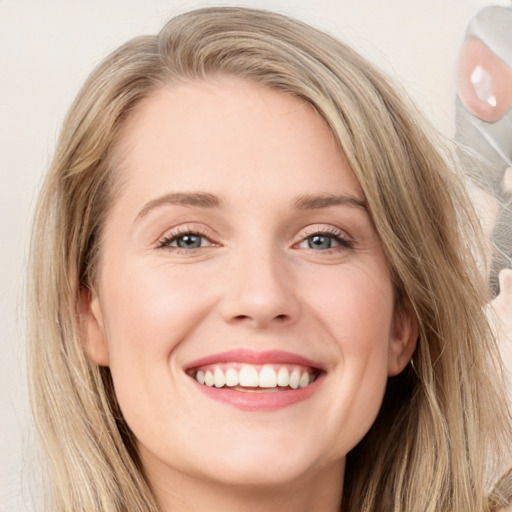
(325, 241)
(189, 241)
(320, 242)
(184, 241)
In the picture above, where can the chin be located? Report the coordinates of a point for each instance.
(260, 465)
(256, 475)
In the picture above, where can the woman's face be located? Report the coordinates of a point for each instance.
(240, 249)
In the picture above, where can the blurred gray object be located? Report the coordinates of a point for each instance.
(484, 120)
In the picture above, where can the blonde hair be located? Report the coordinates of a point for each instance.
(443, 423)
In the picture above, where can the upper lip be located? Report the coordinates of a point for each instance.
(253, 357)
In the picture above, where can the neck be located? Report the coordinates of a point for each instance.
(176, 491)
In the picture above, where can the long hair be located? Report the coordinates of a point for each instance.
(443, 425)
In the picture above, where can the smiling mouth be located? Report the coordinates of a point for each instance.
(255, 378)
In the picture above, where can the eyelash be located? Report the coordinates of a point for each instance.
(344, 243)
(166, 241)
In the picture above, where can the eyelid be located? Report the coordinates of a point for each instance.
(345, 240)
(163, 242)
(327, 229)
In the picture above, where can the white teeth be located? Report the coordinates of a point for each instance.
(267, 377)
(209, 379)
(248, 376)
(231, 377)
(304, 380)
(283, 377)
(295, 379)
(219, 378)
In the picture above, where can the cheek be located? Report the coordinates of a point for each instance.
(146, 316)
(151, 311)
(356, 307)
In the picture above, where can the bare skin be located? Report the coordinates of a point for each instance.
(241, 229)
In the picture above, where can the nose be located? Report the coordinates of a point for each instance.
(260, 293)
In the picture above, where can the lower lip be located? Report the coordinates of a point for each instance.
(260, 400)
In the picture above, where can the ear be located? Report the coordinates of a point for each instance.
(404, 335)
(91, 327)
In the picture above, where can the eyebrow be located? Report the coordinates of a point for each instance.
(199, 199)
(210, 201)
(318, 201)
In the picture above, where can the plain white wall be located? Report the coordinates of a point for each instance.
(47, 49)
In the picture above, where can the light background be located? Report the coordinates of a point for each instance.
(47, 48)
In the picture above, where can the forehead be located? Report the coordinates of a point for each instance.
(231, 137)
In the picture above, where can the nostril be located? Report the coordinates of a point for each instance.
(260, 300)
(246, 317)
(261, 320)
